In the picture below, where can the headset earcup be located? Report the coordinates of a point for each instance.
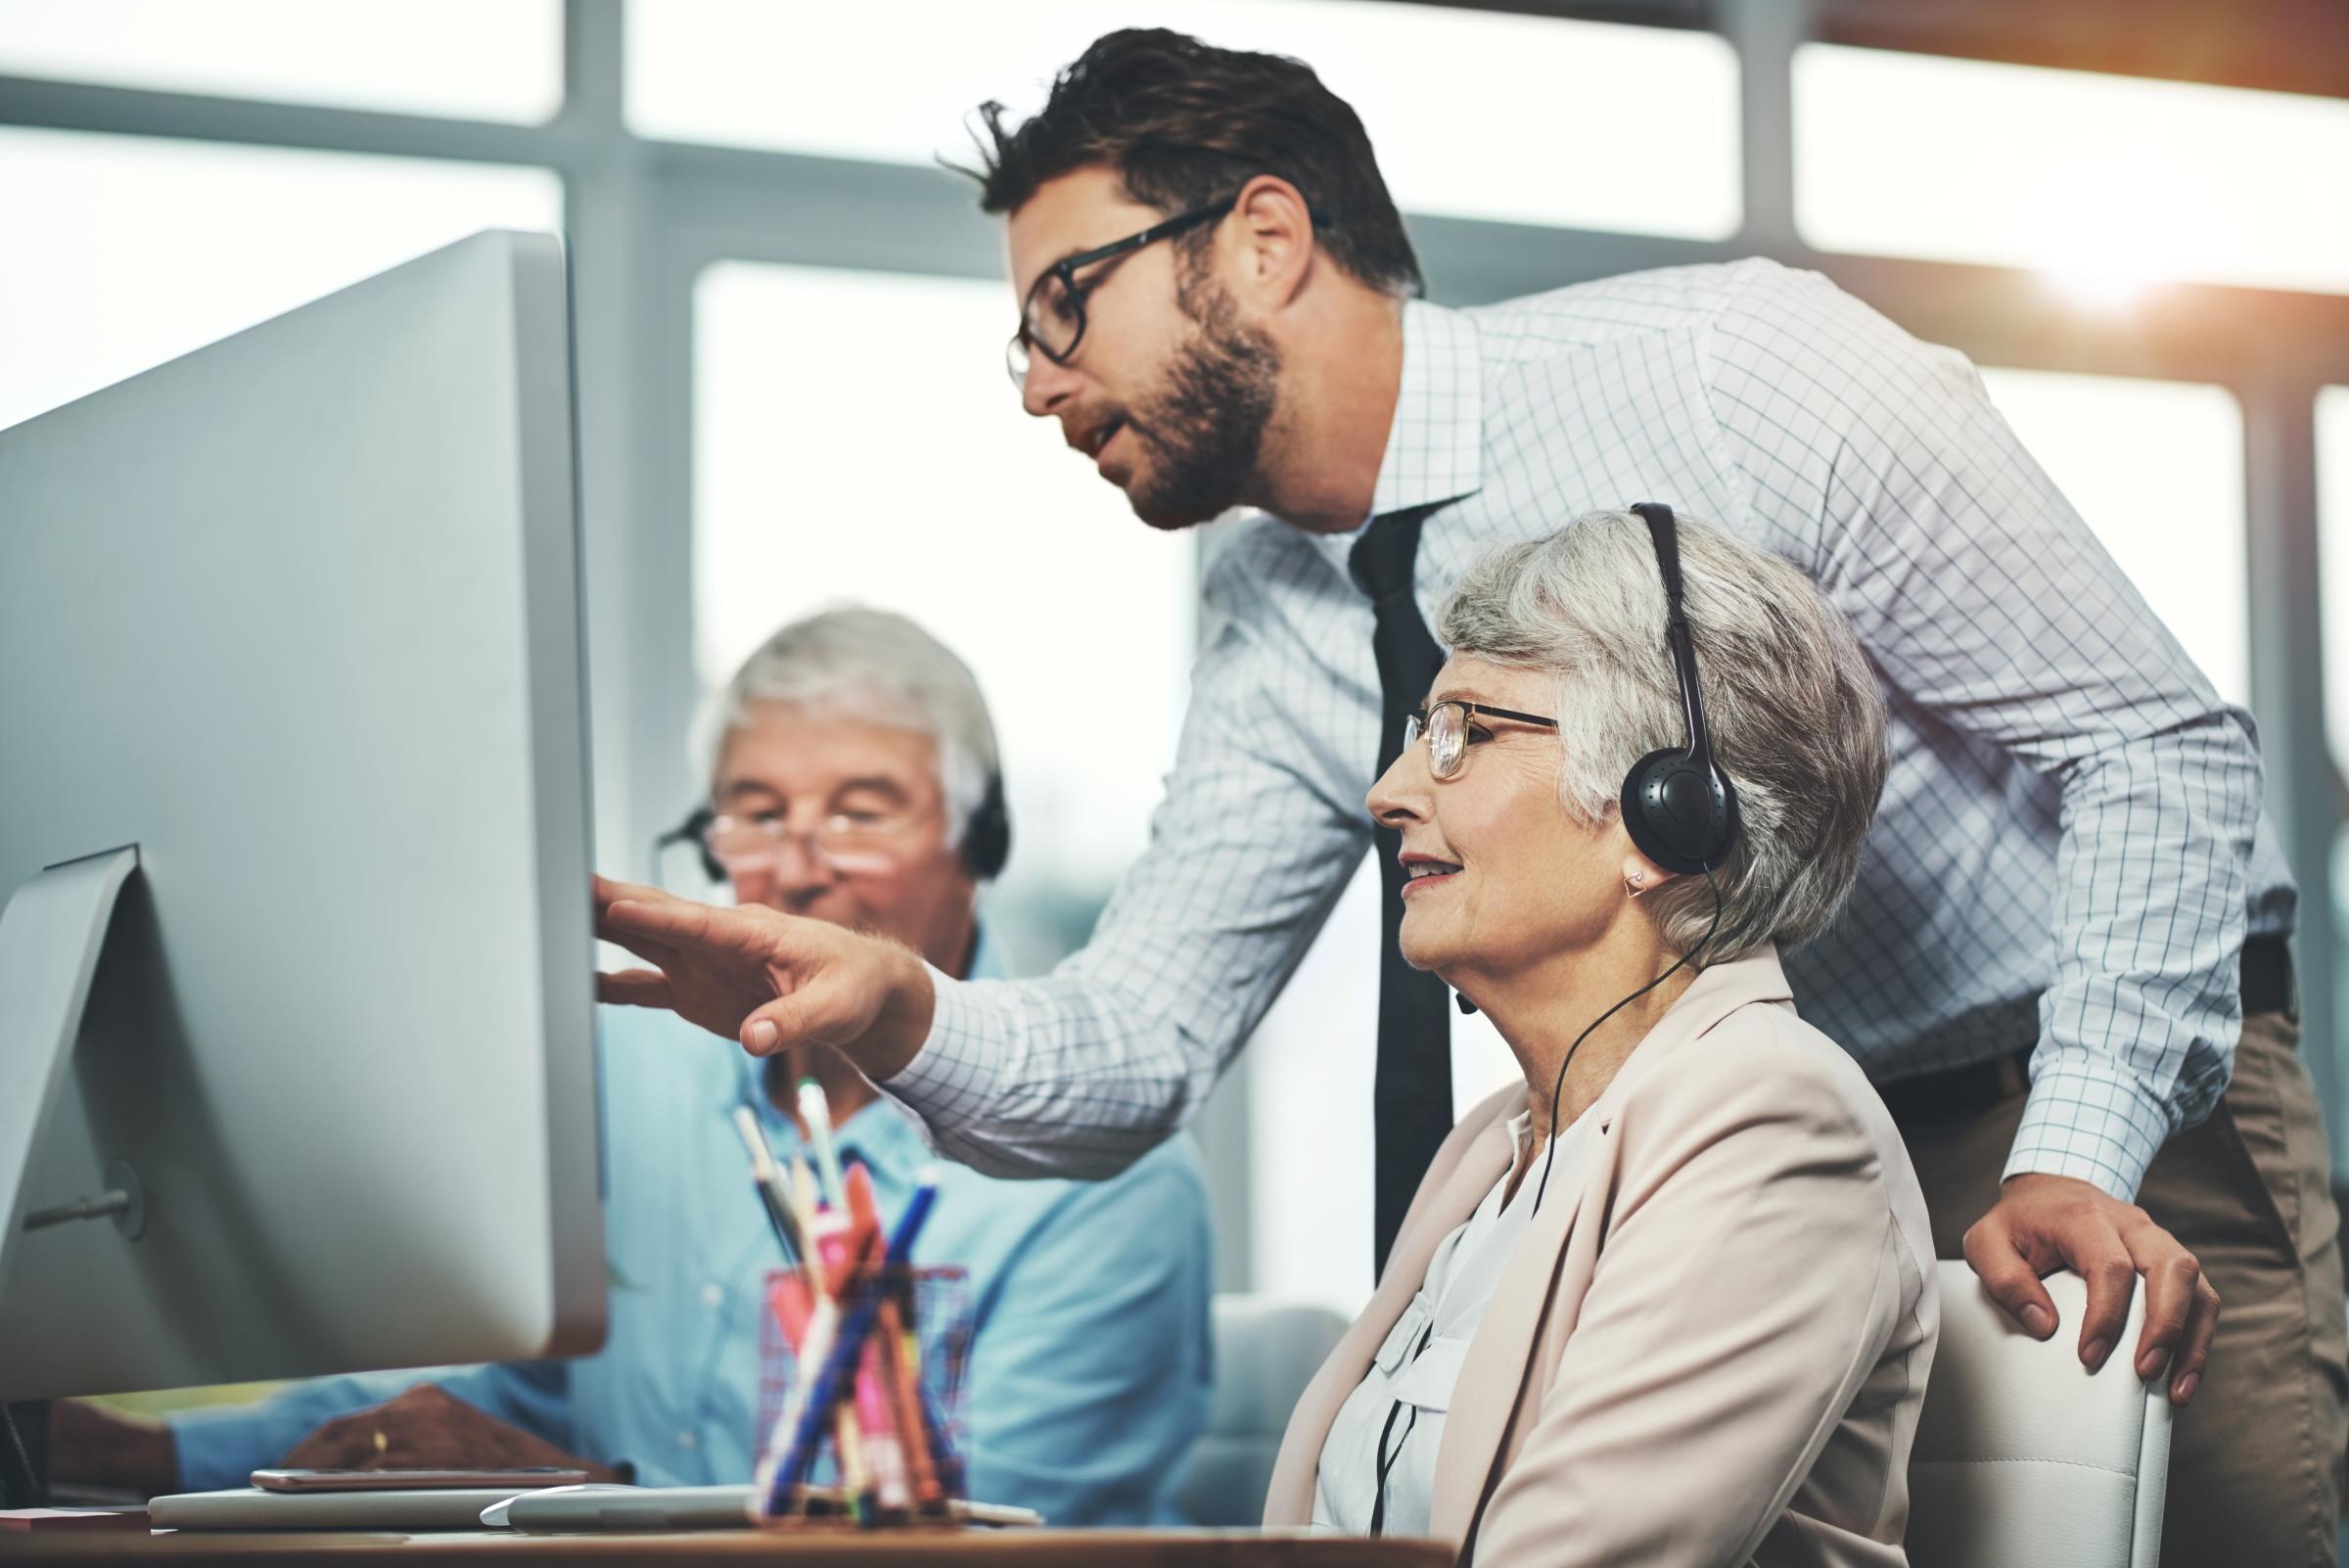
(1680, 815)
(987, 841)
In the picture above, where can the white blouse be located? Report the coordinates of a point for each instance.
(1395, 1417)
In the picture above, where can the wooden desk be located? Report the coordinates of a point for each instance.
(991, 1548)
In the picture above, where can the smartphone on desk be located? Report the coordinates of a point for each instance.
(549, 1475)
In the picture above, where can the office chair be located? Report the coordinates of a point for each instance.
(1267, 1349)
(2023, 1456)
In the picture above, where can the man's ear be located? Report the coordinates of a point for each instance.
(1272, 232)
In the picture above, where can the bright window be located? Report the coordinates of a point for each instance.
(2332, 569)
(1473, 114)
(2105, 183)
(2332, 557)
(2156, 467)
(151, 248)
(857, 440)
(498, 60)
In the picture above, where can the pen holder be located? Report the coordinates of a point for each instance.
(931, 1305)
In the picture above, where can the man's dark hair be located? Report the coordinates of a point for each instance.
(1185, 125)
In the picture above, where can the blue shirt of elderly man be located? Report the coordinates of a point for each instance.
(854, 778)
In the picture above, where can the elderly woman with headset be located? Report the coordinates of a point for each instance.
(1670, 1300)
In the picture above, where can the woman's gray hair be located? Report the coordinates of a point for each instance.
(875, 665)
(1796, 719)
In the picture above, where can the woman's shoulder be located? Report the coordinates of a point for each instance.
(1764, 1097)
(1774, 1032)
(1762, 1067)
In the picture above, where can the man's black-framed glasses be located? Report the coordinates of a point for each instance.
(1445, 725)
(1052, 317)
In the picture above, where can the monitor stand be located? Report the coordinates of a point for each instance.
(24, 1455)
(51, 935)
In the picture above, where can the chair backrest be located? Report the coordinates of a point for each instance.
(1267, 1349)
(2024, 1458)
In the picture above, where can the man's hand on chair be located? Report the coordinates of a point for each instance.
(2044, 1222)
(767, 979)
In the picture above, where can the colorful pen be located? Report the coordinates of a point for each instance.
(816, 1111)
(769, 1181)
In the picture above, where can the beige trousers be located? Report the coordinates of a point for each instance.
(2255, 1464)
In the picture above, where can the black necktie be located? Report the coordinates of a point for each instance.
(1413, 1095)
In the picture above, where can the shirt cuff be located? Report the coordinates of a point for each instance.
(953, 1076)
(2089, 1120)
(216, 1444)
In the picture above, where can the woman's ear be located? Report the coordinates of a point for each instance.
(1643, 875)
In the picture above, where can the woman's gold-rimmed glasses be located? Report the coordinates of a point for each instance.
(1447, 723)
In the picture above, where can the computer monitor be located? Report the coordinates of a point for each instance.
(290, 647)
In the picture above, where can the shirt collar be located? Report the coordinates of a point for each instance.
(1435, 452)
(881, 1134)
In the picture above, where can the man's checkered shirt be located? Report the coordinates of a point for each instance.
(2071, 818)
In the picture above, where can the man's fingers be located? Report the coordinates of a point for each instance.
(643, 943)
(2111, 1276)
(609, 892)
(2174, 1296)
(2170, 1275)
(2193, 1352)
(677, 923)
(765, 935)
(2008, 1277)
(821, 1014)
(778, 1025)
(636, 987)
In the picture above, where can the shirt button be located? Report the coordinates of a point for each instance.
(714, 1295)
(687, 1440)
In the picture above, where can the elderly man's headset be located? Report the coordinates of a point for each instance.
(985, 837)
(1682, 813)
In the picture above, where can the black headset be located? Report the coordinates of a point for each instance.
(1677, 806)
(985, 837)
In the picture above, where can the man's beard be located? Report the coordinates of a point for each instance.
(1209, 420)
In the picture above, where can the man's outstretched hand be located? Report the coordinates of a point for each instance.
(767, 979)
(2044, 1222)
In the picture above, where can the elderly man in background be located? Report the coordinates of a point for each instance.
(854, 778)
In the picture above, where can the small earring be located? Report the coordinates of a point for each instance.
(1637, 885)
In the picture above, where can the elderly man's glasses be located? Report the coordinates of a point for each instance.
(1447, 725)
(1052, 317)
(848, 841)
